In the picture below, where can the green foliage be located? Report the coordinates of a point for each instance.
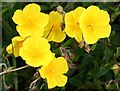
(87, 70)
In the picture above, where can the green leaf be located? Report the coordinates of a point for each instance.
(118, 51)
(115, 14)
(107, 53)
(104, 70)
(93, 46)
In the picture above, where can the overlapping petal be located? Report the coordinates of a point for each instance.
(53, 31)
(15, 45)
(72, 28)
(36, 51)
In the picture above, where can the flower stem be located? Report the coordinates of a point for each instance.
(15, 75)
(9, 71)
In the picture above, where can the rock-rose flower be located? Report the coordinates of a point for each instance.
(54, 72)
(72, 27)
(36, 51)
(53, 30)
(14, 47)
(30, 21)
(94, 24)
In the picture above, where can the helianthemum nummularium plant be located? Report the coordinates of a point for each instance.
(36, 29)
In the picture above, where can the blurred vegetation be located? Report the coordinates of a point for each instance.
(93, 70)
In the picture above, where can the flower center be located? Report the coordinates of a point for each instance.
(52, 70)
(90, 26)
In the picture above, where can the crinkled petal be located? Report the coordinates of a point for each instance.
(89, 36)
(9, 49)
(24, 30)
(55, 17)
(103, 18)
(42, 20)
(69, 29)
(56, 34)
(31, 10)
(69, 18)
(27, 30)
(102, 31)
(93, 11)
(51, 81)
(59, 37)
(19, 17)
(56, 80)
(61, 65)
(16, 44)
(78, 33)
(89, 16)
(61, 80)
(43, 72)
(77, 13)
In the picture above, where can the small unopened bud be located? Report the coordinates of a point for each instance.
(60, 9)
(81, 44)
(87, 48)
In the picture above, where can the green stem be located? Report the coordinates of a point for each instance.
(15, 76)
(41, 87)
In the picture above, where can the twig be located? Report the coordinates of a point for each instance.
(33, 83)
(9, 71)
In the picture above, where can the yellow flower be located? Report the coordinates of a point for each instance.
(53, 31)
(14, 47)
(72, 28)
(54, 72)
(30, 21)
(36, 51)
(94, 24)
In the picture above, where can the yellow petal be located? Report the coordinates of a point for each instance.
(36, 51)
(69, 29)
(30, 30)
(69, 18)
(53, 30)
(23, 30)
(19, 17)
(78, 33)
(56, 34)
(92, 11)
(51, 81)
(61, 65)
(55, 17)
(56, 80)
(31, 10)
(103, 18)
(42, 20)
(72, 28)
(60, 36)
(89, 16)
(77, 13)
(89, 36)
(9, 49)
(16, 44)
(102, 31)
(43, 72)
(61, 80)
